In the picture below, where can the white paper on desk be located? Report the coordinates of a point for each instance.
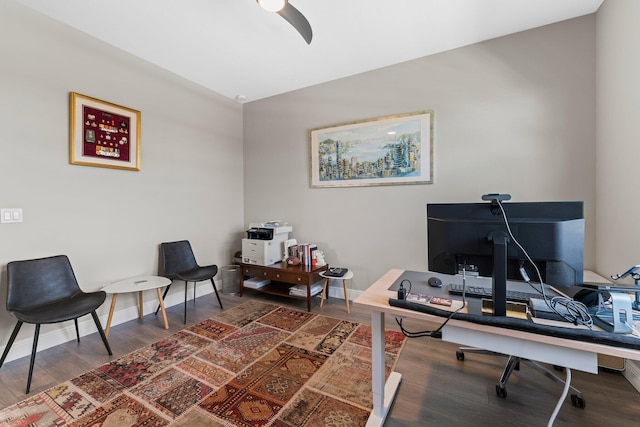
(419, 298)
(427, 300)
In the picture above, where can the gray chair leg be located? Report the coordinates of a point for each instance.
(96, 320)
(216, 291)
(75, 321)
(14, 334)
(186, 288)
(34, 349)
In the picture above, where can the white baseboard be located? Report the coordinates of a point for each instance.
(338, 292)
(56, 334)
(632, 373)
(52, 335)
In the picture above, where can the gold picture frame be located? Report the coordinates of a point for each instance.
(103, 134)
(388, 150)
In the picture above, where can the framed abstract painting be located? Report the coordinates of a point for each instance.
(387, 150)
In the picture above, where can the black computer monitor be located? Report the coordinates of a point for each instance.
(474, 235)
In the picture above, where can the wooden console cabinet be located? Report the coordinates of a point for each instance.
(282, 276)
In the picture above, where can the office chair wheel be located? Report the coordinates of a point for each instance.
(460, 355)
(501, 391)
(578, 401)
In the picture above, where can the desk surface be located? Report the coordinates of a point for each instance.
(377, 296)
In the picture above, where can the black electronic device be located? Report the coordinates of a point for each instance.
(482, 292)
(336, 272)
(434, 282)
(474, 236)
(260, 233)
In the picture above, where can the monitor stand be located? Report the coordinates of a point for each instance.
(615, 320)
(499, 278)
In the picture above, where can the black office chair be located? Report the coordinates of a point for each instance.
(45, 290)
(513, 364)
(179, 263)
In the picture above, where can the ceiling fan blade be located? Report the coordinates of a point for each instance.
(299, 22)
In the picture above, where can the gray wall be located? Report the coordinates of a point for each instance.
(618, 136)
(618, 143)
(109, 222)
(514, 115)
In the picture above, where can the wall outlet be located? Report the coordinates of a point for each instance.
(8, 216)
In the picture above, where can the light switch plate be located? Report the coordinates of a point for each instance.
(8, 216)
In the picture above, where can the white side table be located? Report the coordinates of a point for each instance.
(136, 284)
(348, 275)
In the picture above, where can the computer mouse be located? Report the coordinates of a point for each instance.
(435, 282)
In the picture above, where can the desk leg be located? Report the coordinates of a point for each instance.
(383, 394)
(113, 306)
(164, 313)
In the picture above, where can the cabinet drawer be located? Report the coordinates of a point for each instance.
(276, 275)
(252, 271)
(289, 277)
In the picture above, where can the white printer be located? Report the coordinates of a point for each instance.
(264, 242)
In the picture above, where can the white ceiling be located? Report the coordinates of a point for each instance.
(235, 48)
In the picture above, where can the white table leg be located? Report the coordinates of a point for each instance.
(324, 292)
(382, 394)
(140, 315)
(164, 313)
(110, 318)
(346, 296)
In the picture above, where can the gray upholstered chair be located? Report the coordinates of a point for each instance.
(177, 262)
(45, 290)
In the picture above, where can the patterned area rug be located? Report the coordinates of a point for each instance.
(254, 365)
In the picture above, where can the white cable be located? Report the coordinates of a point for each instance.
(577, 312)
(567, 384)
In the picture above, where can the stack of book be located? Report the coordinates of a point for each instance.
(256, 283)
(303, 251)
(301, 290)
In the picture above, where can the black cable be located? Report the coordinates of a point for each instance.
(576, 312)
(433, 334)
(410, 334)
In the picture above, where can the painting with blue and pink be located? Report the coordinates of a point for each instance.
(379, 150)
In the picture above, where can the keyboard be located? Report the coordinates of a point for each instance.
(336, 272)
(482, 292)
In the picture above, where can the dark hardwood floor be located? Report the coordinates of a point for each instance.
(436, 388)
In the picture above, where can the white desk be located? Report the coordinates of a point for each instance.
(564, 352)
(136, 284)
